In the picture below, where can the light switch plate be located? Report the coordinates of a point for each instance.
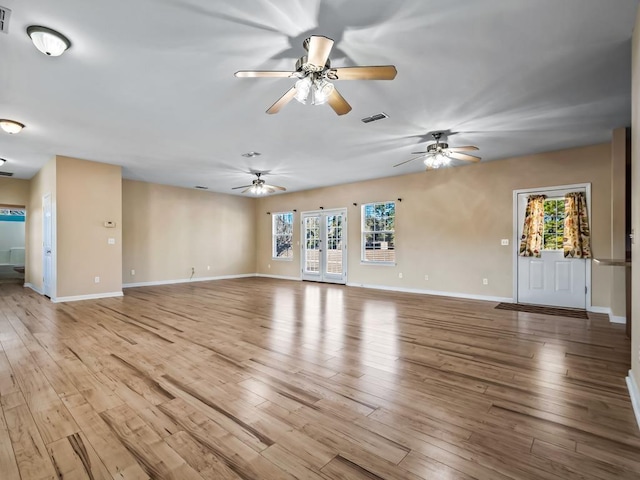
(504, 241)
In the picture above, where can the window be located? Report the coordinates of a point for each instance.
(282, 229)
(553, 233)
(378, 232)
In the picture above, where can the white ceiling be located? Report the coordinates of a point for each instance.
(149, 85)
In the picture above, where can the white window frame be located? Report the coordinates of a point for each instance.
(363, 233)
(274, 255)
(543, 228)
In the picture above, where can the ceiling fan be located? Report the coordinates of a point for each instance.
(259, 187)
(314, 74)
(439, 154)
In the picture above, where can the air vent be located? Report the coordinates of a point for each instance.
(200, 187)
(6, 174)
(5, 13)
(373, 118)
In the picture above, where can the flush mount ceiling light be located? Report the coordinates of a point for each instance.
(48, 41)
(251, 154)
(11, 126)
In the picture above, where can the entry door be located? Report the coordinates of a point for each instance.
(324, 246)
(551, 279)
(47, 246)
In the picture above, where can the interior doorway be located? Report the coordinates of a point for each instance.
(324, 246)
(12, 244)
(550, 279)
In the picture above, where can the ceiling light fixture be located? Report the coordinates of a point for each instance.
(11, 126)
(436, 161)
(48, 41)
(315, 88)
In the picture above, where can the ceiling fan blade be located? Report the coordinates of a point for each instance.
(243, 186)
(338, 103)
(263, 74)
(418, 153)
(319, 49)
(246, 190)
(282, 101)
(382, 72)
(275, 187)
(407, 161)
(463, 156)
(462, 149)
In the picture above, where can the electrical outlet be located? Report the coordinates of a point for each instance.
(400, 275)
(208, 267)
(111, 241)
(485, 281)
(426, 277)
(504, 242)
(269, 266)
(133, 272)
(96, 280)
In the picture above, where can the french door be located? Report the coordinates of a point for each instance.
(324, 246)
(551, 279)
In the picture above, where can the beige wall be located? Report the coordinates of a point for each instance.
(88, 194)
(168, 230)
(14, 191)
(450, 222)
(43, 183)
(635, 203)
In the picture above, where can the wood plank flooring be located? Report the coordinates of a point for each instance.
(266, 379)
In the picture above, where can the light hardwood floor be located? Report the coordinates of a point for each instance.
(267, 379)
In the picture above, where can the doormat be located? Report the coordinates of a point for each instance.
(560, 312)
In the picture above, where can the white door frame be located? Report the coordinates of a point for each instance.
(345, 250)
(516, 239)
(51, 292)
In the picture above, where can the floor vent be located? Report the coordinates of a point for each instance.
(373, 118)
(5, 13)
(6, 174)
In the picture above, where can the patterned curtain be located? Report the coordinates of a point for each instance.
(531, 241)
(577, 238)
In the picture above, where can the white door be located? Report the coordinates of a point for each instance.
(551, 279)
(47, 246)
(324, 246)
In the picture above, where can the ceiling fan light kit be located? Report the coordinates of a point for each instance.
(259, 186)
(48, 41)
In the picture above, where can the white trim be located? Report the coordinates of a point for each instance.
(607, 311)
(278, 277)
(34, 288)
(466, 296)
(186, 280)
(616, 319)
(516, 239)
(93, 296)
(634, 394)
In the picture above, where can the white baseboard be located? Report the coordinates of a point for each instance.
(607, 311)
(186, 280)
(279, 277)
(93, 296)
(34, 288)
(634, 393)
(466, 296)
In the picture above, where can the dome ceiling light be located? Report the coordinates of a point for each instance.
(11, 126)
(48, 41)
